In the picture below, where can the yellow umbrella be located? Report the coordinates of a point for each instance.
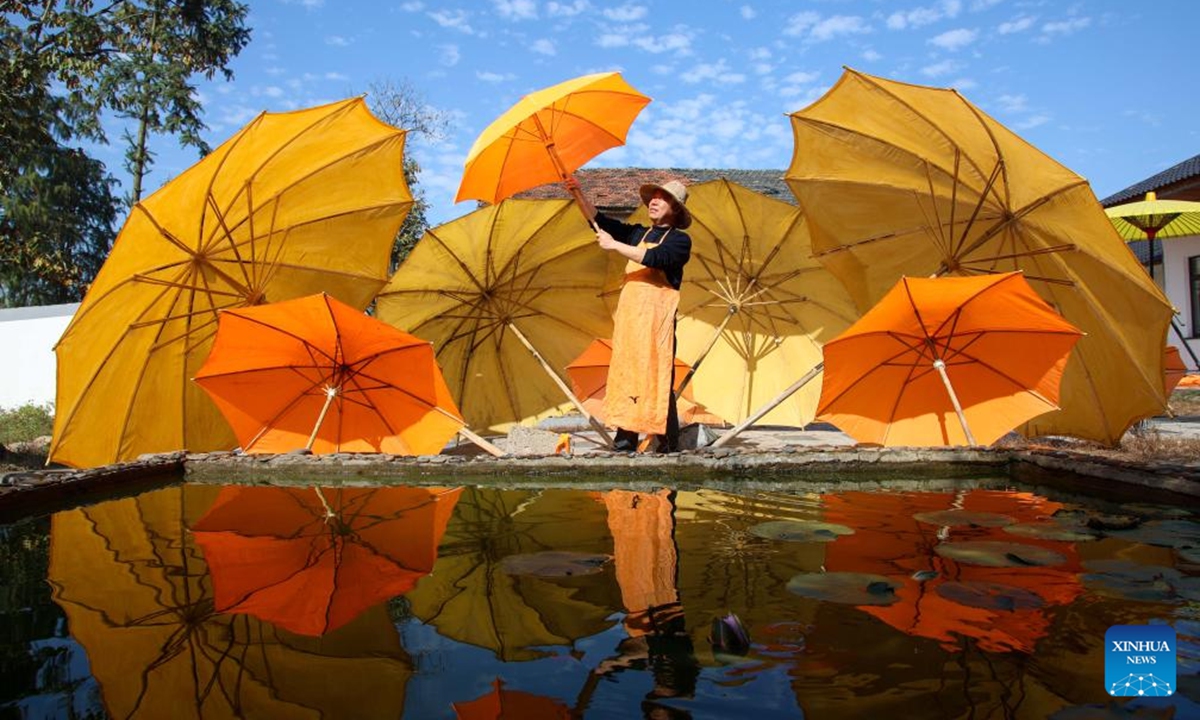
(508, 295)
(293, 204)
(900, 179)
(755, 307)
(478, 595)
(138, 598)
(548, 135)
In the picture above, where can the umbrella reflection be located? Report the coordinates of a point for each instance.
(138, 598)
(309, 560)
(503, 704)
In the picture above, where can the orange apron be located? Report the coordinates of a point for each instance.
(643, 352)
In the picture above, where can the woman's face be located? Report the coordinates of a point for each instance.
(659, 208)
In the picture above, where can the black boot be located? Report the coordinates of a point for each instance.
(626, 441)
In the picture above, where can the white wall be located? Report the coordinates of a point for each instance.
(1176, 252)
(27, 363)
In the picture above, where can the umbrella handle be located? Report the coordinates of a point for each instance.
(940, 366)
(330, 394)
(808, 376)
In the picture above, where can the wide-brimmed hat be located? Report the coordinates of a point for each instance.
(677, 194)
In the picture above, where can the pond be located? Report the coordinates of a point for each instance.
(982, 600)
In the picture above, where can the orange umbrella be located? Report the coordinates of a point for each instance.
(890, 539)
(548, 135)
(986, 349)
(1173, 369)
(310, 565)
(316, 373)
(501, 704)
(589, 379)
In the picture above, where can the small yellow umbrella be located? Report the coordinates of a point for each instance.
(899, 179)
(548, 135)
(755, 307)
(293, 204)
(1152, 219)
(508, 295)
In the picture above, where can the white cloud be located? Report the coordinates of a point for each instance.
(759, 53)
(543, 47)
(628, 12)
(678, 41)
(813, 27)
(453, 20)
(337, 76)
(797, 84)
(871, 56)
(412, 6)
(954, 39)
(921, 16)
(271, 91)
(491, 77)
(977, 5)
(336, 41)
(800, 23)
(1066, 27)
(718, 72)
(1031, 122)
(705, 131)
(516, 9)
(557, 9)
(748, 13)
(964, 84)
(449, 55)
(944, 67)
(1016, 25)
(1012, 103)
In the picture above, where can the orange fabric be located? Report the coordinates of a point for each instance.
(589, 382)
(548, 133)
(639, 376)
(1174, 369)
(271, 367)
(643, 548)
(274, 553)
(1004, 350)
(889, 541)
(1189, 381)
(501, 704)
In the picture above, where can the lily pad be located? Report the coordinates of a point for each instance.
(1165, 533)
(991, 553)
(1145, 583)
(964, 518)
(1053, 530)
(848, 588)
(555, 563)
(989, 595)
(800, 530)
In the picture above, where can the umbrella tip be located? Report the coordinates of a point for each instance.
(1151, 196)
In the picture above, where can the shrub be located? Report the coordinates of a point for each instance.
(25, 423)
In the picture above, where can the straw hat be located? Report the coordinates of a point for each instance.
(676, 194)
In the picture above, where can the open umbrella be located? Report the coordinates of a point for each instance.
(900, 179)
(316, 373)
(947, 361)
(293, 204)
(310, 560)
(138, 598)
(506, 294)
(494, 585)
(548, 135)
(589, 379)
(1173, 369)
(755, 306)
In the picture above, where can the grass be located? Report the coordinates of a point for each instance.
(1185, 403)
(26, 423)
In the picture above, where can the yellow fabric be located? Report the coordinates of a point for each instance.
(1166, 218)
(639, 376)
(643, 548)
(548, 132)
(293, 204)
(532, 265)
(901, 179)
(753, 286)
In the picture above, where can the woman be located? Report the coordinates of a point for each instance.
(639, 397)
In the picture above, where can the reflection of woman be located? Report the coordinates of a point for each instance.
(639, 396)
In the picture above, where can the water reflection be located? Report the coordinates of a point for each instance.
(375, 602)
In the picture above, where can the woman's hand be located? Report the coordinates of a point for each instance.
(606, 241)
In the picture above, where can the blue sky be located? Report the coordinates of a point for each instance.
(1103, 87)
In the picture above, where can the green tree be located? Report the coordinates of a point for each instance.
(399, 104)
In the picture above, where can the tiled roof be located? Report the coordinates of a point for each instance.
(609, 188)
(1184, 170)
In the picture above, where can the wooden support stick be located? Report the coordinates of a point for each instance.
(940, 366)
(771, 405)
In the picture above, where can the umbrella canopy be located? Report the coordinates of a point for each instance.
(1152, 219)
(755, 306)
(589, 380)
(477, 595)
(506, 294)
(548, 135)
(138, 598)
(900, 179)
(314, 372)
(293, 204)
(1174, 369)
(947, 361)
(503, 704)
(310, 560)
